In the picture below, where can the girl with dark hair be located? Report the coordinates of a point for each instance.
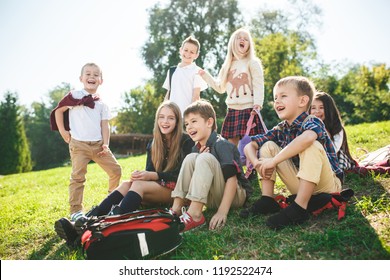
(324, 107)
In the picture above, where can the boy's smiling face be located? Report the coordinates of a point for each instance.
(188, 53)
(198, 128)
(91, 78)
(288, 104)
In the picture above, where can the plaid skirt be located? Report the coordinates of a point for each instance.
(235, 124)
(169, 184)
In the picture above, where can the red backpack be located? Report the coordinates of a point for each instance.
(322, 201)
(140, 234)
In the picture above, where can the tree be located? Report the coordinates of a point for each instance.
(15, 154)
(48, 149)
(282, 55)
(285, 45)
(137, 115)
(370, 94)
(211, 22)
(298, 16)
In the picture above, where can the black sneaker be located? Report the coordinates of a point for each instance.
(65, 229)
(80, 225)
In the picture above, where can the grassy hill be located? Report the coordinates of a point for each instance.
(31, 202)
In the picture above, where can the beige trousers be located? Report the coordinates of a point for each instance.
(314, 167)
(81, 153)
(201, 179)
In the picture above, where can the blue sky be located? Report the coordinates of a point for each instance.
(45, 42)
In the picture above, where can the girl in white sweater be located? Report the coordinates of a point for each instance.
(241, 77)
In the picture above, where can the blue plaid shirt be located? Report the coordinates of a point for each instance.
(283, 134)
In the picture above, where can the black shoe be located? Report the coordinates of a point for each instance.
(291, 215)
(80, 225)
(65, 229)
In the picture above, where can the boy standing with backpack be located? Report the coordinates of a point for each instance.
(183, 81)
(299, 150)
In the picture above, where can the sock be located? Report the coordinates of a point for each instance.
(130, 202)
(292, 215)
(112, 199)
(77, 215)
(318, 201)
(265, 205)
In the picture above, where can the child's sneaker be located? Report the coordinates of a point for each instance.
(189, 222)
(81, 222)
(65, 229)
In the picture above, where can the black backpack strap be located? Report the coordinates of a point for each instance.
(172, 70)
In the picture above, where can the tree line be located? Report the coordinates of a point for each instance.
(283, 42)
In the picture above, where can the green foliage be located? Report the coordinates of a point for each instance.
(281, 55)
(48, 149)
(211, 22)
(362, 94)
(137, 114)
(15, 154)
(370, 94)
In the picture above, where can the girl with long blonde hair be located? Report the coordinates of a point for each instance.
(241, 77)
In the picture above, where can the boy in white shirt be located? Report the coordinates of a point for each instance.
(82, 120)
(185, 85)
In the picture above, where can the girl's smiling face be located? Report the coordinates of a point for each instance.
(317, 109)
(166, 121)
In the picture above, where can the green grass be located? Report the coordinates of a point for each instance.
(31, 202)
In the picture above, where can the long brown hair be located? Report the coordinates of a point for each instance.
(159, 149)
(332, 121)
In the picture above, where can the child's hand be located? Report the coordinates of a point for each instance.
(256, 108)
(65, 135)
(266, 168)
(105, 150)
(218, 221)
(201, 72)
(204, 149)
(141, 176)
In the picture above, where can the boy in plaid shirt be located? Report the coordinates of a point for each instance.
(299, 150)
